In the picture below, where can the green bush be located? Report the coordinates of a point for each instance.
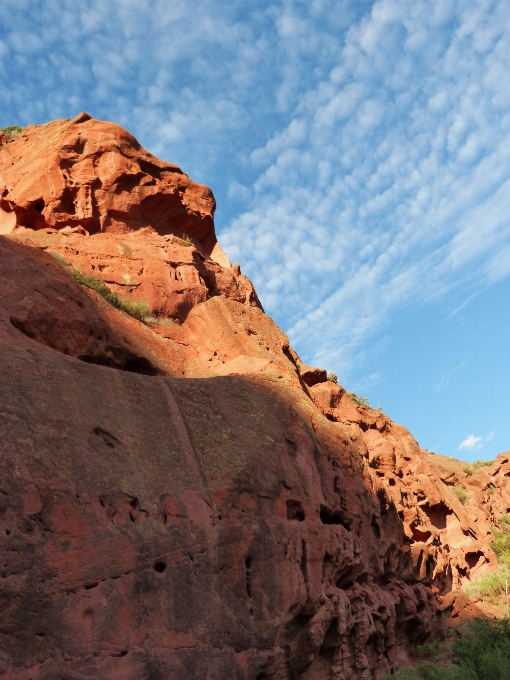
(482, 463)
(481, 651)
(332, 377)
(490, 587)
(362, 401)
(468, 470)
(138, 310)
(504, 522)
(461, 494)
(11, 131)
(186, 241)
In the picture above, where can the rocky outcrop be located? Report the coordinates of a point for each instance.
(170, 275)
(450, 540)
(184, 498)
(94, 175)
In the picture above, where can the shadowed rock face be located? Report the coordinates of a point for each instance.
(189, 500)
(155, 527)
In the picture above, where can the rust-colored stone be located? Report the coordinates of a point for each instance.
(184, 498)
(95, 175)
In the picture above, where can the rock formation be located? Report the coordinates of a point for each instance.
(184, 498)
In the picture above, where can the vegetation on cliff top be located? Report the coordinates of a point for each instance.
(362, 401)
(11, 131)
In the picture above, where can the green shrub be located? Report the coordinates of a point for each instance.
(468, 470)
(186, 241)
(362, 401)
(461, 494)
(501, 546)
(167, 322)
(490, 587)
(504, 522)
(431, 650)
(138, 310)
(481, 463)
(332, 377)
(11, 131)
(481, 650)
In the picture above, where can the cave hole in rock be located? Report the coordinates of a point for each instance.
(248, 576)
(90, 586)
(474, 558)
(329, 516)
(295, 510)
(375, 527)
(38, 205)
(330, 642)
(384, 503)
(345, 579)
(295, 626)
(418, 535)
(430, 565)
(132, 513)
(141, 366)
(159, 567)
(248, 563)
(437, 514)
(291, 446)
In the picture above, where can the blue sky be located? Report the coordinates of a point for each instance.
(360, 156)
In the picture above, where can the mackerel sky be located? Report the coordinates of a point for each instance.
(359, 153)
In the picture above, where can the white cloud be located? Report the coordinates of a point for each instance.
(471, 442)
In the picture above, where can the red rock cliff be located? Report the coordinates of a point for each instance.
(185, 498)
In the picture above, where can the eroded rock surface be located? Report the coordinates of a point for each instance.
(185, 499)
(94, 175)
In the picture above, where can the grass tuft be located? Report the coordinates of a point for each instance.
(481, 463)
(138, 310)
(186, 241)
(461, 493)
(332, 377)
(362, 401)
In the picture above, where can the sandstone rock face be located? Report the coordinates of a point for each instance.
(185, 499)
(94, 175)
(170, 277)
(450, 541)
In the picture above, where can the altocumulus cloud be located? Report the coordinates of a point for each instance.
(359, 151)
(389, 185)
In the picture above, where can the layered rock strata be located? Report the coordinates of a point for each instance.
(185, 498)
